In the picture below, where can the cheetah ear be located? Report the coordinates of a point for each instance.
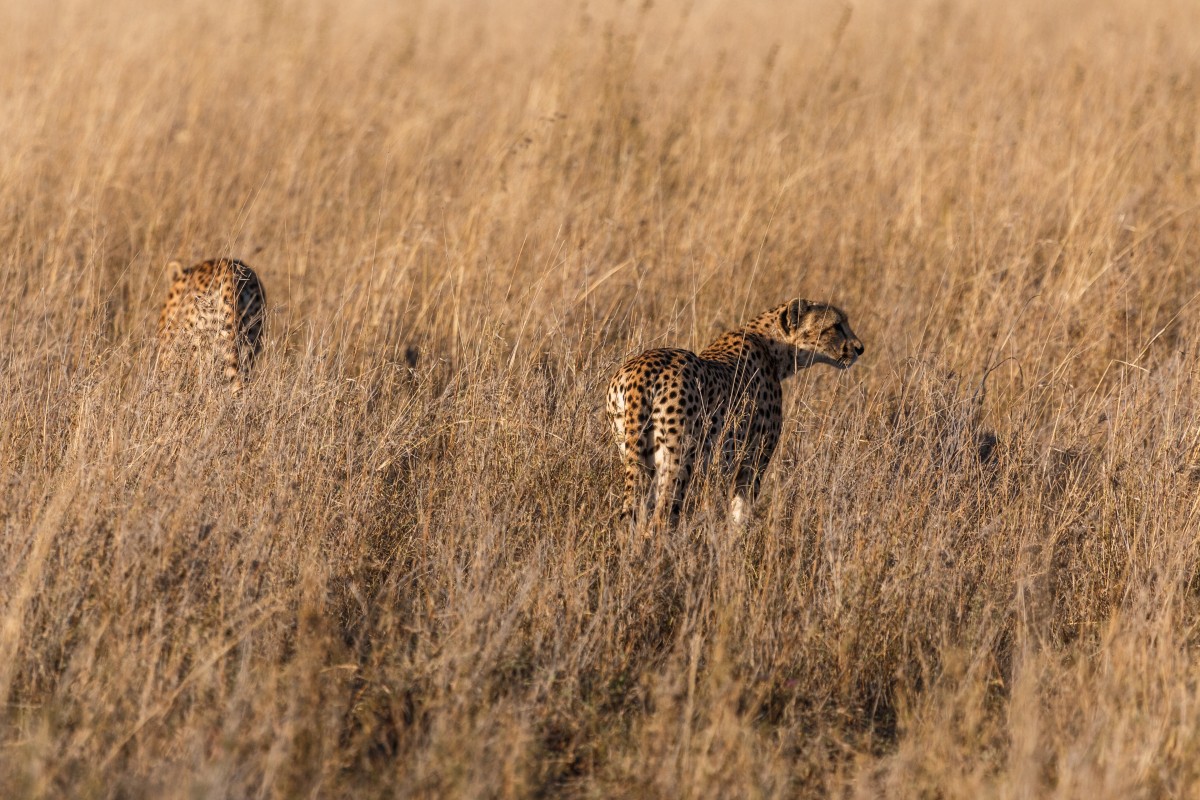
(789, 318)
(174, 271)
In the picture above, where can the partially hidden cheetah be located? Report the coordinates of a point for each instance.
(669, 407)
(214, 310)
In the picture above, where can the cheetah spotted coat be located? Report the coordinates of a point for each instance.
(670, 408)
(214, 309)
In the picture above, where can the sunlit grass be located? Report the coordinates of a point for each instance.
(394, 566)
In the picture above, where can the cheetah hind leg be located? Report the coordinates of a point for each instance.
(638, 501)
(630, 420)
(673, 473)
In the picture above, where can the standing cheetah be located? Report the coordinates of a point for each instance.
(215, 308)
(669, 407)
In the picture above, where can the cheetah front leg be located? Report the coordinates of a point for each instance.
(227, 351)
(167, 355)
(745, 492)
(748, 481)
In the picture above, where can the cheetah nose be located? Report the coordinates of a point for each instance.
(858, 348)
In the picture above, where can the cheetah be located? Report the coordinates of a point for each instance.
(215, 308)
(669, 407)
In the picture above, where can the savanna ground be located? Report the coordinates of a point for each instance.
(394, 566)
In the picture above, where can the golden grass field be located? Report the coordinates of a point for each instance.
(393, 567)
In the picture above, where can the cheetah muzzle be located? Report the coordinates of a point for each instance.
(672, 410)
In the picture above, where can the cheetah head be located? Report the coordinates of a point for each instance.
(818, 333)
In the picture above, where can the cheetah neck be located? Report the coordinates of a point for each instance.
(749, 348)
(760, 340)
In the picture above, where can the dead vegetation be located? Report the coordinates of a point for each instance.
(393, 567)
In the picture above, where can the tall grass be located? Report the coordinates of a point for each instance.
(394, 567)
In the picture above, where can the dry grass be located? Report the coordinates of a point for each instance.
(372, 579)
